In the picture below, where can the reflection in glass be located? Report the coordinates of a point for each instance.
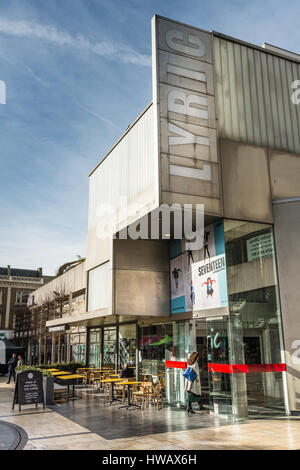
(254, 316)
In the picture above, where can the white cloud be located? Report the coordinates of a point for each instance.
(61, 38)
(98, 116)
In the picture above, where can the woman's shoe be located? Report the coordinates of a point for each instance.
(190, 409)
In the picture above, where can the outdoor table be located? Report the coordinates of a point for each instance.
(52, 370)
(111, 382)
(60, 373)
(129, 403)
(70, 378)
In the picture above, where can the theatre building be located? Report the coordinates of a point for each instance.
(222, 131)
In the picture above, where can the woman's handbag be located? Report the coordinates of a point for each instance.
(189, 374)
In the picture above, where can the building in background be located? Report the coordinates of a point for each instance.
(63, 298)
(15, 287)
(222, 131)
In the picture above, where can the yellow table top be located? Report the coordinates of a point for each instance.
(52, 370)
(129, 383)
(72, 376)
(61, 373)
(110, 380)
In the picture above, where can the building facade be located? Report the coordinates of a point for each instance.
(58, 303)
(15, 288)
(223, 132)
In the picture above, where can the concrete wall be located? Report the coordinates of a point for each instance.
(246, 182)
(141, 277)
(287, 242)
(185, 115)
(284, 174)
(253, 177)
(71, 281)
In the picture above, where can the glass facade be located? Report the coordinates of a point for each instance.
(241, 356)
(180, 351)
(127, 345)
(95, 347)
(109, 346)
(219, 384)
(78, 344)
(155, 348)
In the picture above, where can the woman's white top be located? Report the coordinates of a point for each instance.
(195, 386)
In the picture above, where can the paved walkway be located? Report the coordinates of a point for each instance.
(48, 429)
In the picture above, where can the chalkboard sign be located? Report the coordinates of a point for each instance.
(29, 388)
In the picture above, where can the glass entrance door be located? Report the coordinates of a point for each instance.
(109, 346)
(219, 380)
(201, 343)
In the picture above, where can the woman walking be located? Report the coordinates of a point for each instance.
(193, 388)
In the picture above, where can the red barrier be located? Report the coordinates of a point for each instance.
(246, 368)
(176, 364)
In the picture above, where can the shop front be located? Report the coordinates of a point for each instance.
(224, 305)
(112, 346)
(236, 320)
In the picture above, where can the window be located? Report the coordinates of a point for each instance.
(254, 320)
(98, 285)
(22, 297)
(94, 351)
(78, 344)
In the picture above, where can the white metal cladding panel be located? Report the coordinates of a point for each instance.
(128, 171)
(254, 90)
(98, 287)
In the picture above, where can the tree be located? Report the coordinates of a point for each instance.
(70, 264)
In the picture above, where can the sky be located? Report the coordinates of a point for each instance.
(77, 73)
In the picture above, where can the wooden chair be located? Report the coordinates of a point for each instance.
(60, 393)
(86, 377)
(121, 390)
(158, 396)
(107, 392)
(162, 381)
(143, 394)
(95, 378)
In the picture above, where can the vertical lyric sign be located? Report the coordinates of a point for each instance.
(183, 93)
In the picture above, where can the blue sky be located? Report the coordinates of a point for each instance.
(77, 74)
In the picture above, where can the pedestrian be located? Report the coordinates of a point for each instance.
(126, 372)
(20, 361)
(12, 364)
(193, 388)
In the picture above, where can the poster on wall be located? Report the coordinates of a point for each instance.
(181, 266)
(260, 246)
(210, 283)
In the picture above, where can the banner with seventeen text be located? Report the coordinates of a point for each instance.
(210, 283)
